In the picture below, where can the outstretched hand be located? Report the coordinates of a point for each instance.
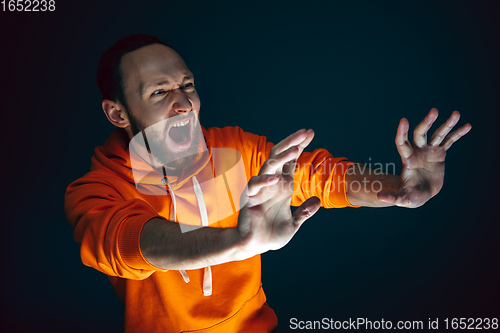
(266, 222)
(423, 163)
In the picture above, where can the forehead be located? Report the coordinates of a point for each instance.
(152, 62)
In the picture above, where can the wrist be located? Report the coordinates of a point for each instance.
(237, 252)
(363, 184)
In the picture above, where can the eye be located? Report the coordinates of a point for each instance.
(158, 92)
(188, 86)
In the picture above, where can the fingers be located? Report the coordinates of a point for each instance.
(420, 132)
(258, 182)
(305, 211)
(453, 137)
(441, 134)
(442, 131)
(307, 140)
(402, 143)
(289, 168)
(284, 155)
(301, 138)
(267, 189)
(275, 164)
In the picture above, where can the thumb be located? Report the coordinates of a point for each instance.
(306, 210)
(400, 198)
(388, 196)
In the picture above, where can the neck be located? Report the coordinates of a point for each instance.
(172, 171)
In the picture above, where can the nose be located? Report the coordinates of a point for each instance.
(181, 103)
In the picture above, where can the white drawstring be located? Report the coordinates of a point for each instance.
(207, 274)
(185, 275)
(173, 218)
(173, 212)
(201, 202)
(207, 282)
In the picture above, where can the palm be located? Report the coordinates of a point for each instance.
(423, 163)
(266, 221)
(421, 177)
(277, 229)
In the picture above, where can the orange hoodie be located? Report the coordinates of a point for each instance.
(107, 210)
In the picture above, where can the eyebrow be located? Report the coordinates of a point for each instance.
(143, 88)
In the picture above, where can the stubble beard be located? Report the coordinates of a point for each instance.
(162, 153)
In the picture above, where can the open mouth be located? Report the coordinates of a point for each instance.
(180, 133)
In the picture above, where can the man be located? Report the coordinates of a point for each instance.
(148, 183)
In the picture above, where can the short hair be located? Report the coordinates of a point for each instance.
(109, 76)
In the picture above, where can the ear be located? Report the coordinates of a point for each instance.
(115, 112)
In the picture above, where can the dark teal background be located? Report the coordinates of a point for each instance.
(350, 70)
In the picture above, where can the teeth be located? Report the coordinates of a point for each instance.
(184, 123)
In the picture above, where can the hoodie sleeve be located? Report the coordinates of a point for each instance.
(317, 174)
(108, 227)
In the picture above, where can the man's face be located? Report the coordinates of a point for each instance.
(159, 89)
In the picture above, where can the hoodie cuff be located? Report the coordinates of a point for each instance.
(339, 174)
(129, 243)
